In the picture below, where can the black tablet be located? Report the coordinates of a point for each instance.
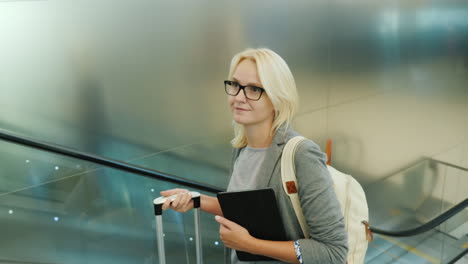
(257, 211)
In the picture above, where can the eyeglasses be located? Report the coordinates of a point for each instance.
(251, 92)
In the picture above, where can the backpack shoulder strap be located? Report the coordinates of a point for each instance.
(288, 175)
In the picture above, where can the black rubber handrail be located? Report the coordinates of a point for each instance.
(427, 226)
(10, 137)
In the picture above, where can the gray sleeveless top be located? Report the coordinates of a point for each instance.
(246, 168)
(244, 176)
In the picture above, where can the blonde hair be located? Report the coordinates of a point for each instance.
(278, 82)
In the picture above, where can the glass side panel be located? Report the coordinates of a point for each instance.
(430, 247)
(82, 213)
(203, 162)
(23, 167)
(411, 198)
(455, 236)
(414, 195)
(440, 245)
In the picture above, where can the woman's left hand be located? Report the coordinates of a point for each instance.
(233, 235)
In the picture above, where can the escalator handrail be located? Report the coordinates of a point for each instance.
(448, 164)
(120, 165)
(10, 137)
(427, 226)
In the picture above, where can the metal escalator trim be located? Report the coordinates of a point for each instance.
(382, 251)
(412, 249)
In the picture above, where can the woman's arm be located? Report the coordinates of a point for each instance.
(281, 250)
(236, 237)
(184, 202)
(322, 211)
(210, 205)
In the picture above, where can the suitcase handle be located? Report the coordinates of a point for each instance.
(158, 202)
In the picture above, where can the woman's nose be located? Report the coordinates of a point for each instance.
(241, 96)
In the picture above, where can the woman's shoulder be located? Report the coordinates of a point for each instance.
(311, 150)
(307, 149)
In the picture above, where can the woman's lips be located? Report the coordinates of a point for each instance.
(240, 109)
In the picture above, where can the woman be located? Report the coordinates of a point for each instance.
(263, 99)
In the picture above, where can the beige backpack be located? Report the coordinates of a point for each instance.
(350, 195)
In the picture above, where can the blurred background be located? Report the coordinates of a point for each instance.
(142, 81)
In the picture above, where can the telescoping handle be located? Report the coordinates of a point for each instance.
(158, 203)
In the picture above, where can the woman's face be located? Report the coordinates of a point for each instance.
(245, 111)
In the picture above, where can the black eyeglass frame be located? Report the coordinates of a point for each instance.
(242, 87)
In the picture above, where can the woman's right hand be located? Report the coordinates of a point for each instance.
(181, 204)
